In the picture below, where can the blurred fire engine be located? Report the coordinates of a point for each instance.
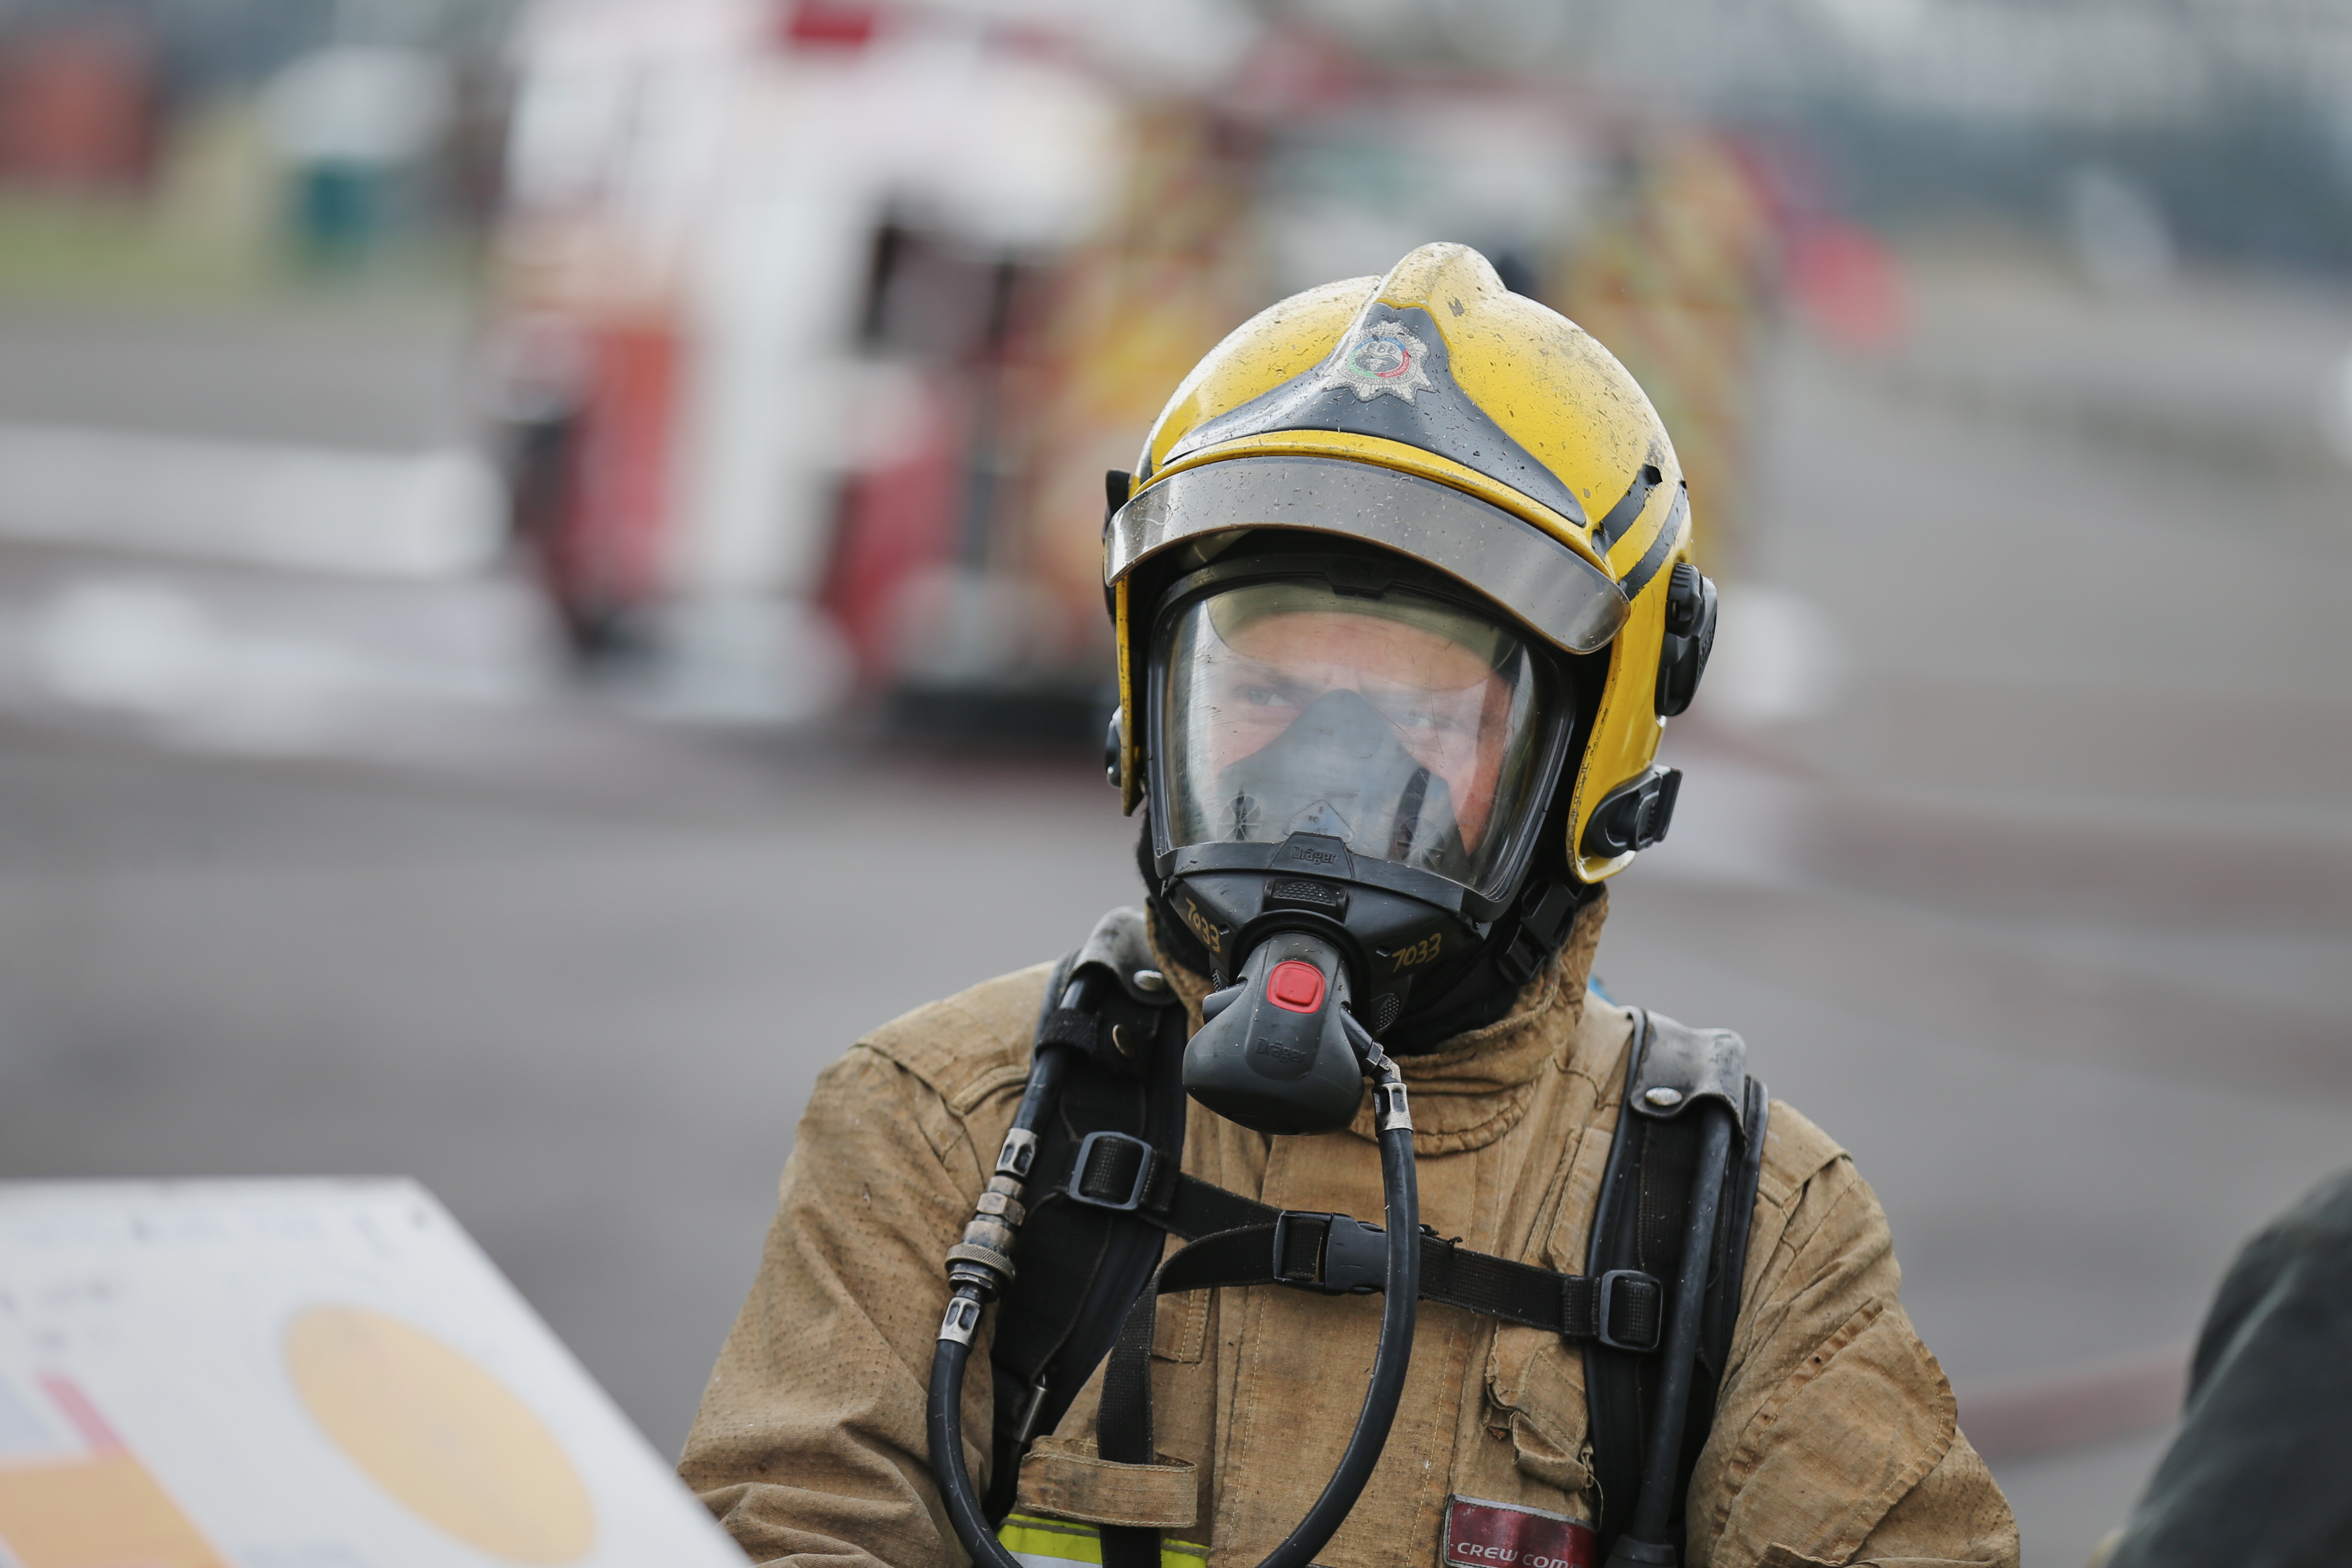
(817, 323)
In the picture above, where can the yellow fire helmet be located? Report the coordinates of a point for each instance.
(1490, 442)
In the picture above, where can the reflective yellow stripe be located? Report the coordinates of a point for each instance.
(1048, 1542)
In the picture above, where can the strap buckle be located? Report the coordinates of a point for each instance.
(1349, 1259)
(1642, 1304)
(1096, 1185)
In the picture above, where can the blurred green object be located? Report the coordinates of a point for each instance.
(353, 130)
(341, 210)
(111, 253)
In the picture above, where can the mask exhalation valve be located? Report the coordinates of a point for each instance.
(1274, 1054)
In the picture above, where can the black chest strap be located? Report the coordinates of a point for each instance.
(1240, 1241)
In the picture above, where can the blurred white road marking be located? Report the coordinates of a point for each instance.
(415, 515)
(148, 649)
(124, 644)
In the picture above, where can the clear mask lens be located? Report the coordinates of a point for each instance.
(1402, 725)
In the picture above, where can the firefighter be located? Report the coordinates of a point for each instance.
(1404, 602)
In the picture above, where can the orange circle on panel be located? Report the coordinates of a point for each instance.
(440, 1434)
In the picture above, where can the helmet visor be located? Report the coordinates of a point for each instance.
(1556, 593)
(1403, 725)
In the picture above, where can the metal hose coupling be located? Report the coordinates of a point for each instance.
(1391, 1112)
(980, 1266)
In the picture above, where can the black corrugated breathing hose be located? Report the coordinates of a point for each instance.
(1400, 1303)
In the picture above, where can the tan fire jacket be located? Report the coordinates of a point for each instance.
(1835, 1440)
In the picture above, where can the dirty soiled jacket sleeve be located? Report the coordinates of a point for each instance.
(1835, 1439)
(809, 1445)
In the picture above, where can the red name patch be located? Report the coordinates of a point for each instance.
(1503, 1535)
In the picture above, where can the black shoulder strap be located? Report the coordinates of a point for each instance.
(1671, 1072)
(1080, 1264)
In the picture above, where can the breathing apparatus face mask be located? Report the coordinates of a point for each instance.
(1348, 762)
(1399, 725)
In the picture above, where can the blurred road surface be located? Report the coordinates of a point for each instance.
(2017, 840)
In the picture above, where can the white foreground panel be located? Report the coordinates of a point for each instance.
(300, 1375)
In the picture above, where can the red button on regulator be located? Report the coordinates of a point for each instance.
(1295, 985)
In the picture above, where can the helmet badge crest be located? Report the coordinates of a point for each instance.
(1382, 358)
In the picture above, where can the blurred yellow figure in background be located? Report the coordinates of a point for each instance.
(1677, 280)
(1131, 311)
